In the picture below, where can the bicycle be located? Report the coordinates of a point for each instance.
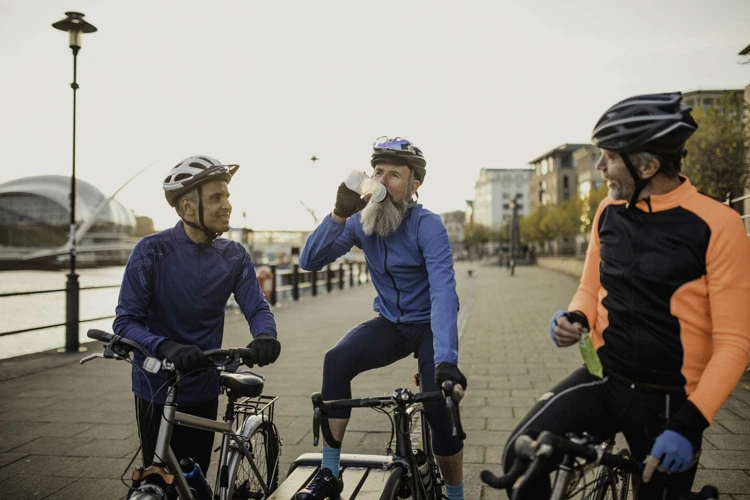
(536, 457)
(250, 445)
(409, 471)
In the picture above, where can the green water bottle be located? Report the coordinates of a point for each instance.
(590, 357)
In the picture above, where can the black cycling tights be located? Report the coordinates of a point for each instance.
(187, 442)
(377, 343)
(602, 408)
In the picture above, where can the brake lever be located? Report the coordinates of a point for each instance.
(91, 357)
(452, 405)
(316, 426)
(537, 467)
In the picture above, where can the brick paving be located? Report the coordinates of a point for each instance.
(67, 431)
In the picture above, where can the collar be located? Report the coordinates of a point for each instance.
(181, 236)
(667, 201)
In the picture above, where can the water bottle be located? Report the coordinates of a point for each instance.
(424, 469)
(590, 357)
(195, 478)
(361, 183)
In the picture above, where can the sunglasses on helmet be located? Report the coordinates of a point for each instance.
(395, 144)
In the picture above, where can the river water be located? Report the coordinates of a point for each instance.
(27, 311)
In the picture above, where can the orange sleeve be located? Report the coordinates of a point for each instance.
(728, 282)
(586, 298)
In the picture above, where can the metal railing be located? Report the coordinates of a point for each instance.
(296, 281)
(292, 282)
(57, 290)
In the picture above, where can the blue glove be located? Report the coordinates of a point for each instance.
(674, 451)
(553, 324)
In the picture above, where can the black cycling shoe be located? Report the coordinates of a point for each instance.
(322, 485)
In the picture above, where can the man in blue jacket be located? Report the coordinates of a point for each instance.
(176, 285)
(410, 261)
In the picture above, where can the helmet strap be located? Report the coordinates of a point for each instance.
(202, 227)
(639, 183)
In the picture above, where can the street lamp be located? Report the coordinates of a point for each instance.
(74, 25)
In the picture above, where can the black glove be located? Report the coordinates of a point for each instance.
(264, 350)
(186, 358)
(446, 371)
(577, 317)
(348, 202)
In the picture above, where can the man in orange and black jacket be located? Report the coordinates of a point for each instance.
(664, 294)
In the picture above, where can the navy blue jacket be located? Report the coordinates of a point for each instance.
(412, 270)
(177, 289)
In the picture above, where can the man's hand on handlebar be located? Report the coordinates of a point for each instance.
(449, 372)
(186, 358)
(264, 350)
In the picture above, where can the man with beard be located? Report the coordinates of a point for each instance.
(410, 261)
(174, 291)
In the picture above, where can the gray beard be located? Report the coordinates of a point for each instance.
(383, 218)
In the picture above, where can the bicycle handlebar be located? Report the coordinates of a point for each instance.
(402, 398)
(120, 346)
(533, 458)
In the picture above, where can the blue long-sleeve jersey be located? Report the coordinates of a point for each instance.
(412, 270)
(174, 288)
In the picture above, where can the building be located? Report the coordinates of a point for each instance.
(705, 98)
(144, 226)
(589, 180)
(495, 189)
(35, 224)
(469, 217)
(554, 178)
(454, 226)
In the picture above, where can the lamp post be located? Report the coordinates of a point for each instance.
(74, 25)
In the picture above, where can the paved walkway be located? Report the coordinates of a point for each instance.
(67, 431)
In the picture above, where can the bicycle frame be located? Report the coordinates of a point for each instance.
(230, 439)
(402, 458)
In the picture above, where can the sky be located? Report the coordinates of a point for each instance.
(267, 85)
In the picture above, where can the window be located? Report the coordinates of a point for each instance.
(565, 182)
(544, 166)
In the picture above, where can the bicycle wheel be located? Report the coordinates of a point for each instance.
(611, 484)
(263, 444)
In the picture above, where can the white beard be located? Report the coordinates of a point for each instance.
(383, 218)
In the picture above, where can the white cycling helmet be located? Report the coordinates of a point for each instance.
(192, 172)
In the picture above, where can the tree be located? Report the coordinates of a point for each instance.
(589, 206)
(717, 162)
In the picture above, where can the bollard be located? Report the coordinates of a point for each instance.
(328, 278)
(341, 276)
(314, 283)
(351, 275)
(295, 282)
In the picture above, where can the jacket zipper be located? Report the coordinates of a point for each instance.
(633, 291)
(393, 280)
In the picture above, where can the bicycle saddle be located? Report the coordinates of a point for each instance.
(242, 384)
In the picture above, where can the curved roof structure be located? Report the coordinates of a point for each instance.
(56, 188)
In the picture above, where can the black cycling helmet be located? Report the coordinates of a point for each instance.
(192, 173)
(654, 123)
(385, 148)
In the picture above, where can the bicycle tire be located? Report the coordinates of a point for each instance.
(260, 435)
(612, 484)
(390, 492)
